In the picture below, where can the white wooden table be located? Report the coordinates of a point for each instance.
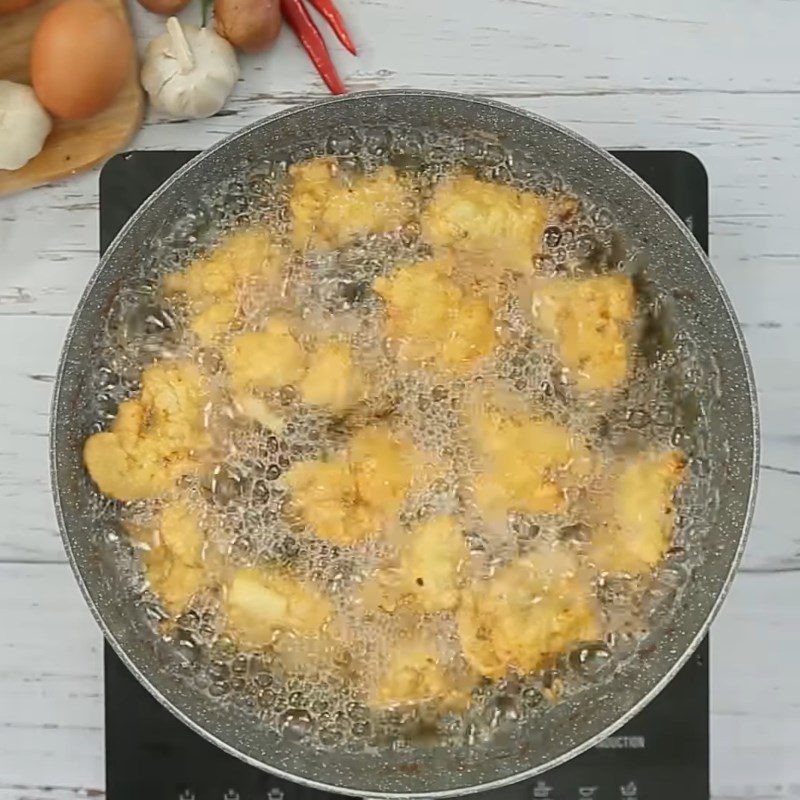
(720, 78)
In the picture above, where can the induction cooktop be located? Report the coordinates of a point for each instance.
(661, 754)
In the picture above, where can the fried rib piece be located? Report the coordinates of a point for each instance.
(155, 439)
(430, 319)
(635, 529)
(586, 317)
(352, 497)
(329, 211)
(497, 222)
(525, 615)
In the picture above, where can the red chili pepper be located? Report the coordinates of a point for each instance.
(300, 22)
(332, 16)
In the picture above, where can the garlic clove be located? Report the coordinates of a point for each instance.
(189, 72)
(24, 125)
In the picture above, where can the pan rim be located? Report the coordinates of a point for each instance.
(725, 584)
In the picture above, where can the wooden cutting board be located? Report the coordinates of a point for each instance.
(71, 146)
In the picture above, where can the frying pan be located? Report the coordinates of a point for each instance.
(723, 466)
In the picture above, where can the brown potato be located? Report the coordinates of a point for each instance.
(8, 6)
(249, 25)
(166, 7)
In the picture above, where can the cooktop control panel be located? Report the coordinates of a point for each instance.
(662, 754)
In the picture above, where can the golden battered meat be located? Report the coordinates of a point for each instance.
(173, 559)
(180, 533)
(525, 615)
(529, 463)
(352, 497)
(383, 465)
(214, 286)
(172, 581)
(428, 575)
(214, 321)
(126, 464)
(272, 358)
(498, 222)
(409, 618)
(430, 319)
(325, 495)
(329, 210)
(332, 380)
(414, 675)
(587, 317)
(635, 532)
(261, 604)
(173, 396)
(266, 359)
(155, 439)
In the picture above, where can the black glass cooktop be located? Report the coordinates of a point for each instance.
(662, 754)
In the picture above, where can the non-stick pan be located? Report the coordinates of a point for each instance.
(723, 444)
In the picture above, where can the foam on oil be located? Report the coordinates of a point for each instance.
(244, 501)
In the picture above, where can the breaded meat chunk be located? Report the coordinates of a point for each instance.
(498, 222)
(637, 532)
(587, 317)
(330, 209)
(526, 614)
(332, 380)
(351, 497)
(528, 463)
(266, 359)
(431, 319)
(155, 439)
(427, 576)
(262, 604)
(215, 285)
(414, 674)
(174, 561)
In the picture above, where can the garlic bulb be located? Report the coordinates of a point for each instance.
(189, 72)
(24, 125)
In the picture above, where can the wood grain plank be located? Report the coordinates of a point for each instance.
(561, 46)
(51, 712)
(755, 704)
(31, 532)
(718, 78)
(19, 792)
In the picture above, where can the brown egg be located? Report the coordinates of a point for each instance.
(7, 6)
(80, 57)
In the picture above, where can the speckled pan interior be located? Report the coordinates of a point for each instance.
(702, 309)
